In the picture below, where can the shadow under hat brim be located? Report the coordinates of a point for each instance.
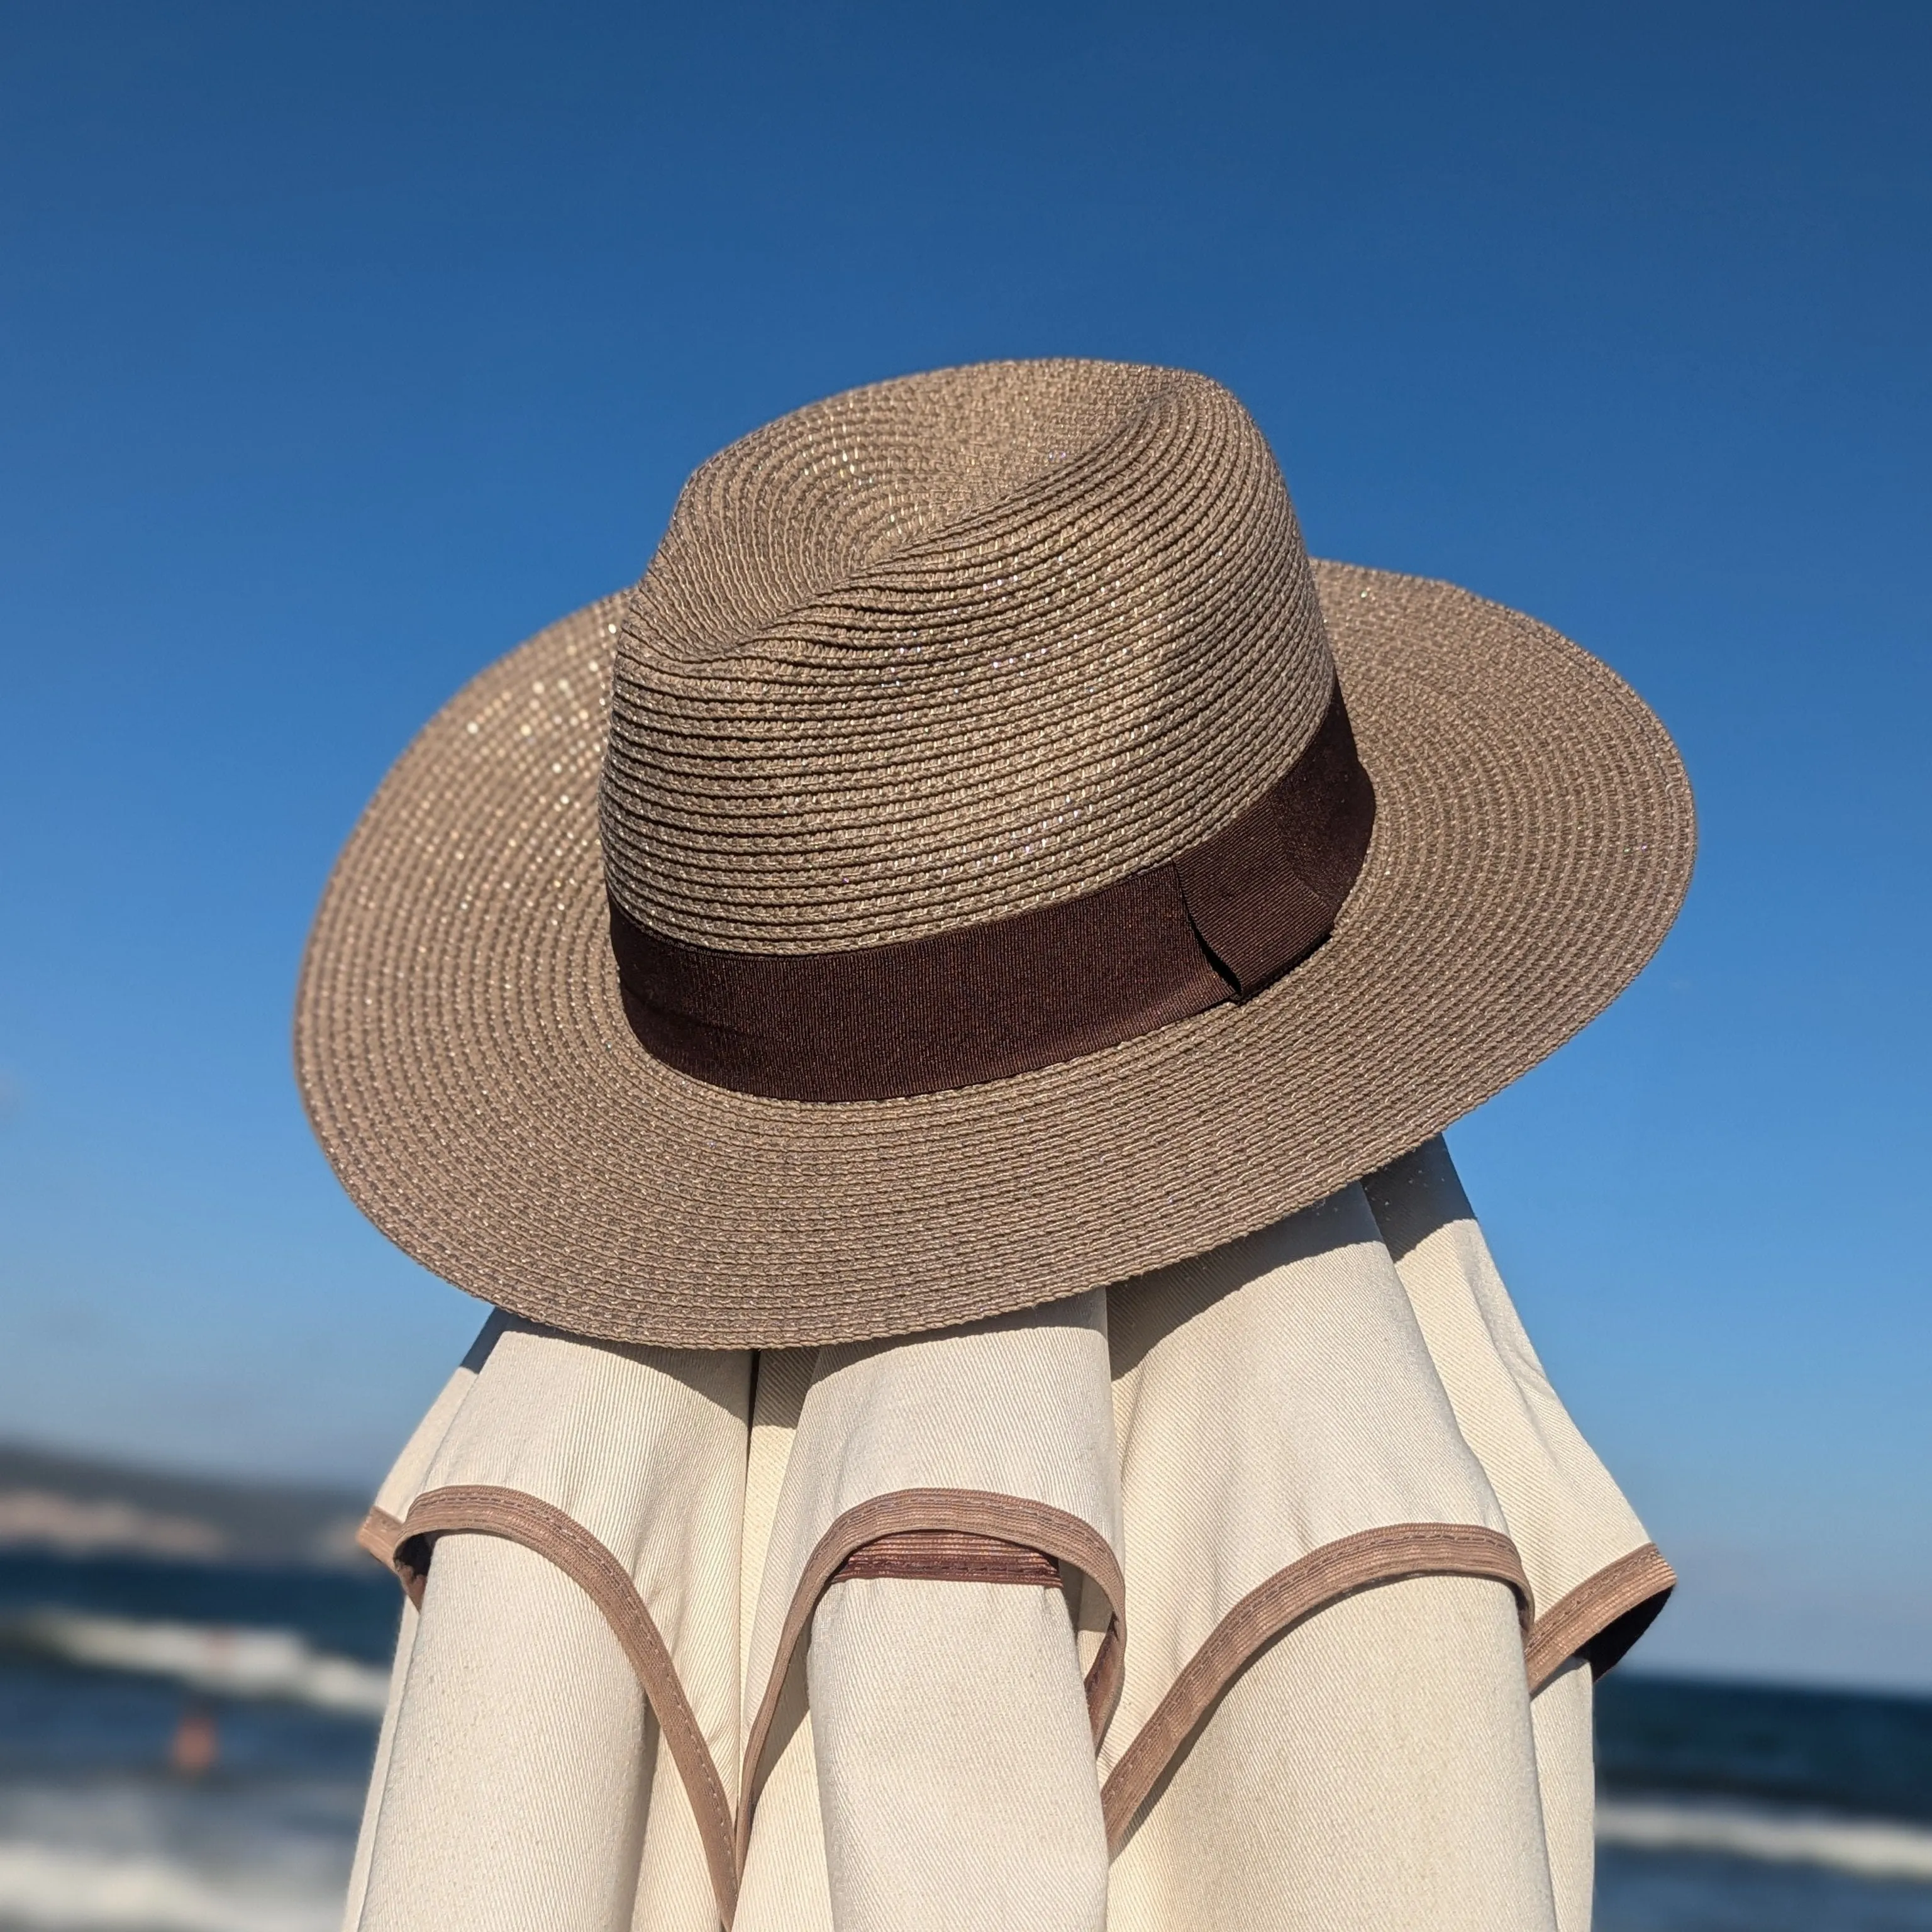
(469, 1069)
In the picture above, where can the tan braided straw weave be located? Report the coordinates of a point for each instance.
(911, 660)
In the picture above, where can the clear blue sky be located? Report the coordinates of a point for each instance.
(342, 346)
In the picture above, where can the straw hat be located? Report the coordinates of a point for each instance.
(983, 859)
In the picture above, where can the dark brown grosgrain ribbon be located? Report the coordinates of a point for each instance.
(984, 1002)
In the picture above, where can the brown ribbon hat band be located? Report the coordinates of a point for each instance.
(1216, 923)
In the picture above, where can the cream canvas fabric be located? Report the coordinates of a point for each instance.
(1337, 1568)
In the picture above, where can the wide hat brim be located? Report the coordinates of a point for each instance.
(470, 1071)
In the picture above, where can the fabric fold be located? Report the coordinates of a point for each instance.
(1275, 1400)
(1001, 1429)
(622, 1470)
(1598, 1580)
(956, 1782)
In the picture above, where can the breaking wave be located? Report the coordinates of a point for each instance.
(1870, 1848)
(63, 1890)
(212, 1658)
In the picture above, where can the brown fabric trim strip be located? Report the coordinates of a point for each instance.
(378, 1533)
(984, 1002)
(1336, 1570)
(483, 1509)
(1601, 1617)
(945, 1555)
(968, 1513)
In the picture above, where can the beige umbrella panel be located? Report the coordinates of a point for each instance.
(1312, 1492)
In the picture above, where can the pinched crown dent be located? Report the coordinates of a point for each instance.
(943, 649)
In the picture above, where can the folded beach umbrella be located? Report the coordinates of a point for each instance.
(931, 1018)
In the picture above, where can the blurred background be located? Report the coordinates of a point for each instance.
(341, 347)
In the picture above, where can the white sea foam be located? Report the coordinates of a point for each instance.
(62, 1889)
(52, 1880)
(153, 1854)
(1866, 1847)
(234, 1663)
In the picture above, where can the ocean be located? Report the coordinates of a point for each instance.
(1723, 1807)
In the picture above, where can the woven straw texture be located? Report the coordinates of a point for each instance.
(920, 656)
(949, 647)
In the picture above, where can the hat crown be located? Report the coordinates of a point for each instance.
(950, 647)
